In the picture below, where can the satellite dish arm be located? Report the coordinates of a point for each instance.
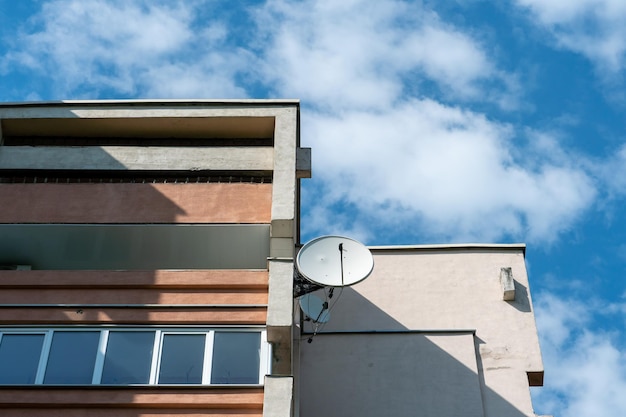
(341, 261)
(324, 308)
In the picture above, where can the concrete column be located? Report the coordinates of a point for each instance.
(278, 397)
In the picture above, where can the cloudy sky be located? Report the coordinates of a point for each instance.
(430, 122)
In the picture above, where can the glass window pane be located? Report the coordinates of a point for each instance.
(182, 358)
(19, 358)
(128, 358)
(72, 358)
(236, 358)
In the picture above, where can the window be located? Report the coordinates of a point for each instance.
(133, 356)
(19, 358)
(182, 359)
(234, 361)
(128, 358)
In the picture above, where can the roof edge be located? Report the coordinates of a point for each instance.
(155, 102)
(451, 246)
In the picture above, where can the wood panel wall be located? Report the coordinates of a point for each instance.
(131, 402)
(186, 297)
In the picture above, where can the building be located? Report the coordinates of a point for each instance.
(147, 249)
(147, 265)
(436, 330)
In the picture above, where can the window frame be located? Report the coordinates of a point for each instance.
(155, 362)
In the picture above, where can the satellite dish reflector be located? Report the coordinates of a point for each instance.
(334, 261)
(314, 308)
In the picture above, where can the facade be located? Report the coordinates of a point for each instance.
(147, 269)
(147, 257)
(435, 330)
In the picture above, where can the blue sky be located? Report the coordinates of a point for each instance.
(430, 122)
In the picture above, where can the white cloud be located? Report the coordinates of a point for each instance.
(449, 169)
(613, 172)
(364, 55)
(594, 28)
(585, 368)
(560, 11)
(140, 48)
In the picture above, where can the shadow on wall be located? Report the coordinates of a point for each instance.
(522, 301)
(395, 372)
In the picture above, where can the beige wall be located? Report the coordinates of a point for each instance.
(421, 292)
(398, 374)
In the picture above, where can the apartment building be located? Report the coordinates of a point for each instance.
(146, 252)
(147, 269)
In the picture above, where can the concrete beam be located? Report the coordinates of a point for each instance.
(125, 109)
(138, 158)
(284, 182)
(146, 118)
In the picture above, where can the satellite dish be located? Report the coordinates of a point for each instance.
(334, 261)
(314, 308)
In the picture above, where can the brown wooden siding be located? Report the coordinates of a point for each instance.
(132, 296)
(163, 279)
(224, 297)
(131, 402)
(101, 315)
(136, 203)
(128, 412)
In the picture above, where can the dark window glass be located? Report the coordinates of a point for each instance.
(19, 358)
(72, 358)
(182, 358)
(128, 358)
(236, 358)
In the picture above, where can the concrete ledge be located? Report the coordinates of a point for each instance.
(138, 158)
